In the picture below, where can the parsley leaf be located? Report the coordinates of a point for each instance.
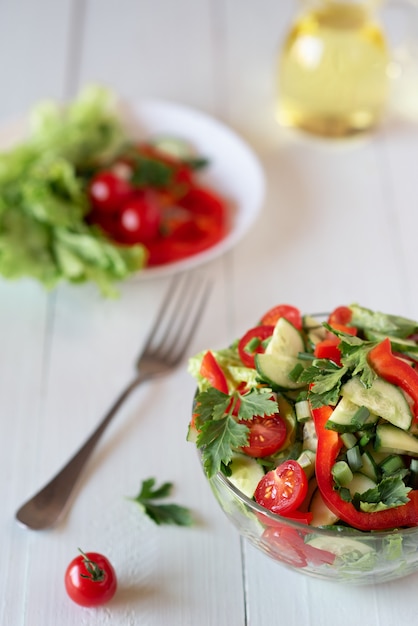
(161, 513)
(257, 402)
(391, 491)
(326, 377)
(220, 432)
(218, 438)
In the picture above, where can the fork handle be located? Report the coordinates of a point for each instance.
(45, 508)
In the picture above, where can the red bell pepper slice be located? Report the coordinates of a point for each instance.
(395, 371)
(328, 349)
(211, 370)
(329, 446)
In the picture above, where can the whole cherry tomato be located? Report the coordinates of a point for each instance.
(90, 579)
(108, 191)
(138, 220)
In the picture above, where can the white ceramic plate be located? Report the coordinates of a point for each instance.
(233, 171)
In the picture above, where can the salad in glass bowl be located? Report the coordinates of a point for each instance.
(307, 429)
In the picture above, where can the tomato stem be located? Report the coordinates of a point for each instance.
(95, 573)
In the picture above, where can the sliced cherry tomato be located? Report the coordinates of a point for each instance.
(283, 489)
(90, 579)
(211, 370)
(252, 343)
(285, 545)
(138, 220)
(340, 315)
(291, 313)
(108, 191)
(292, 549)
(267, 435)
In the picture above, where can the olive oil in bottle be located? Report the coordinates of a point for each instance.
(332, 71)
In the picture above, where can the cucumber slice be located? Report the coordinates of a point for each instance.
(394, 440)
(351, 550)
(306, 460)
(288, 414)
(382, 399)
(275, 370)
(285, 340)
(314, 329)
(346, 417)
(369, 466)
(246, 473)
(360, 483)
(398, 344)
(280, 357)
(322, 515)
(174, 147)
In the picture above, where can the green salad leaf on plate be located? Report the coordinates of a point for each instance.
(43, 196)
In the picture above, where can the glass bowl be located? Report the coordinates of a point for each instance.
(339, 554)
(336, 552)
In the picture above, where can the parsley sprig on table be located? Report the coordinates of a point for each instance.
(148, 497)
(220, 432)
(327, 378)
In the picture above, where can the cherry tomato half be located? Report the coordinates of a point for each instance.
(289, 546)
(283, 489)
(340, 315)
(285, 545)
(90, 579)
(108, 191)
(252, 343)
(138, 220)
(291, 313)
(267, 435)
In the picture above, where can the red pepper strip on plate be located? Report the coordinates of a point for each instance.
(395, 371)
(329, 446)
(211, 370)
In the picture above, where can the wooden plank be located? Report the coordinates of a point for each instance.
(34, 48)
(151, 48)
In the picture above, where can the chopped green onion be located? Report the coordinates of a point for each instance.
(392, 464)
(303, 411)
(349, 440)
(354, 458)
(342, 473)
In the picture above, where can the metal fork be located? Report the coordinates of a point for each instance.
(165, 347)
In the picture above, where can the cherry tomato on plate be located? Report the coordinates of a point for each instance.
(90, 579)
(267, 435)
(108, 191)
(138, 219)
(252, 343)
(291, 313)
(283, 489)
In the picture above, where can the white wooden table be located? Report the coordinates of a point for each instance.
(339, 224)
